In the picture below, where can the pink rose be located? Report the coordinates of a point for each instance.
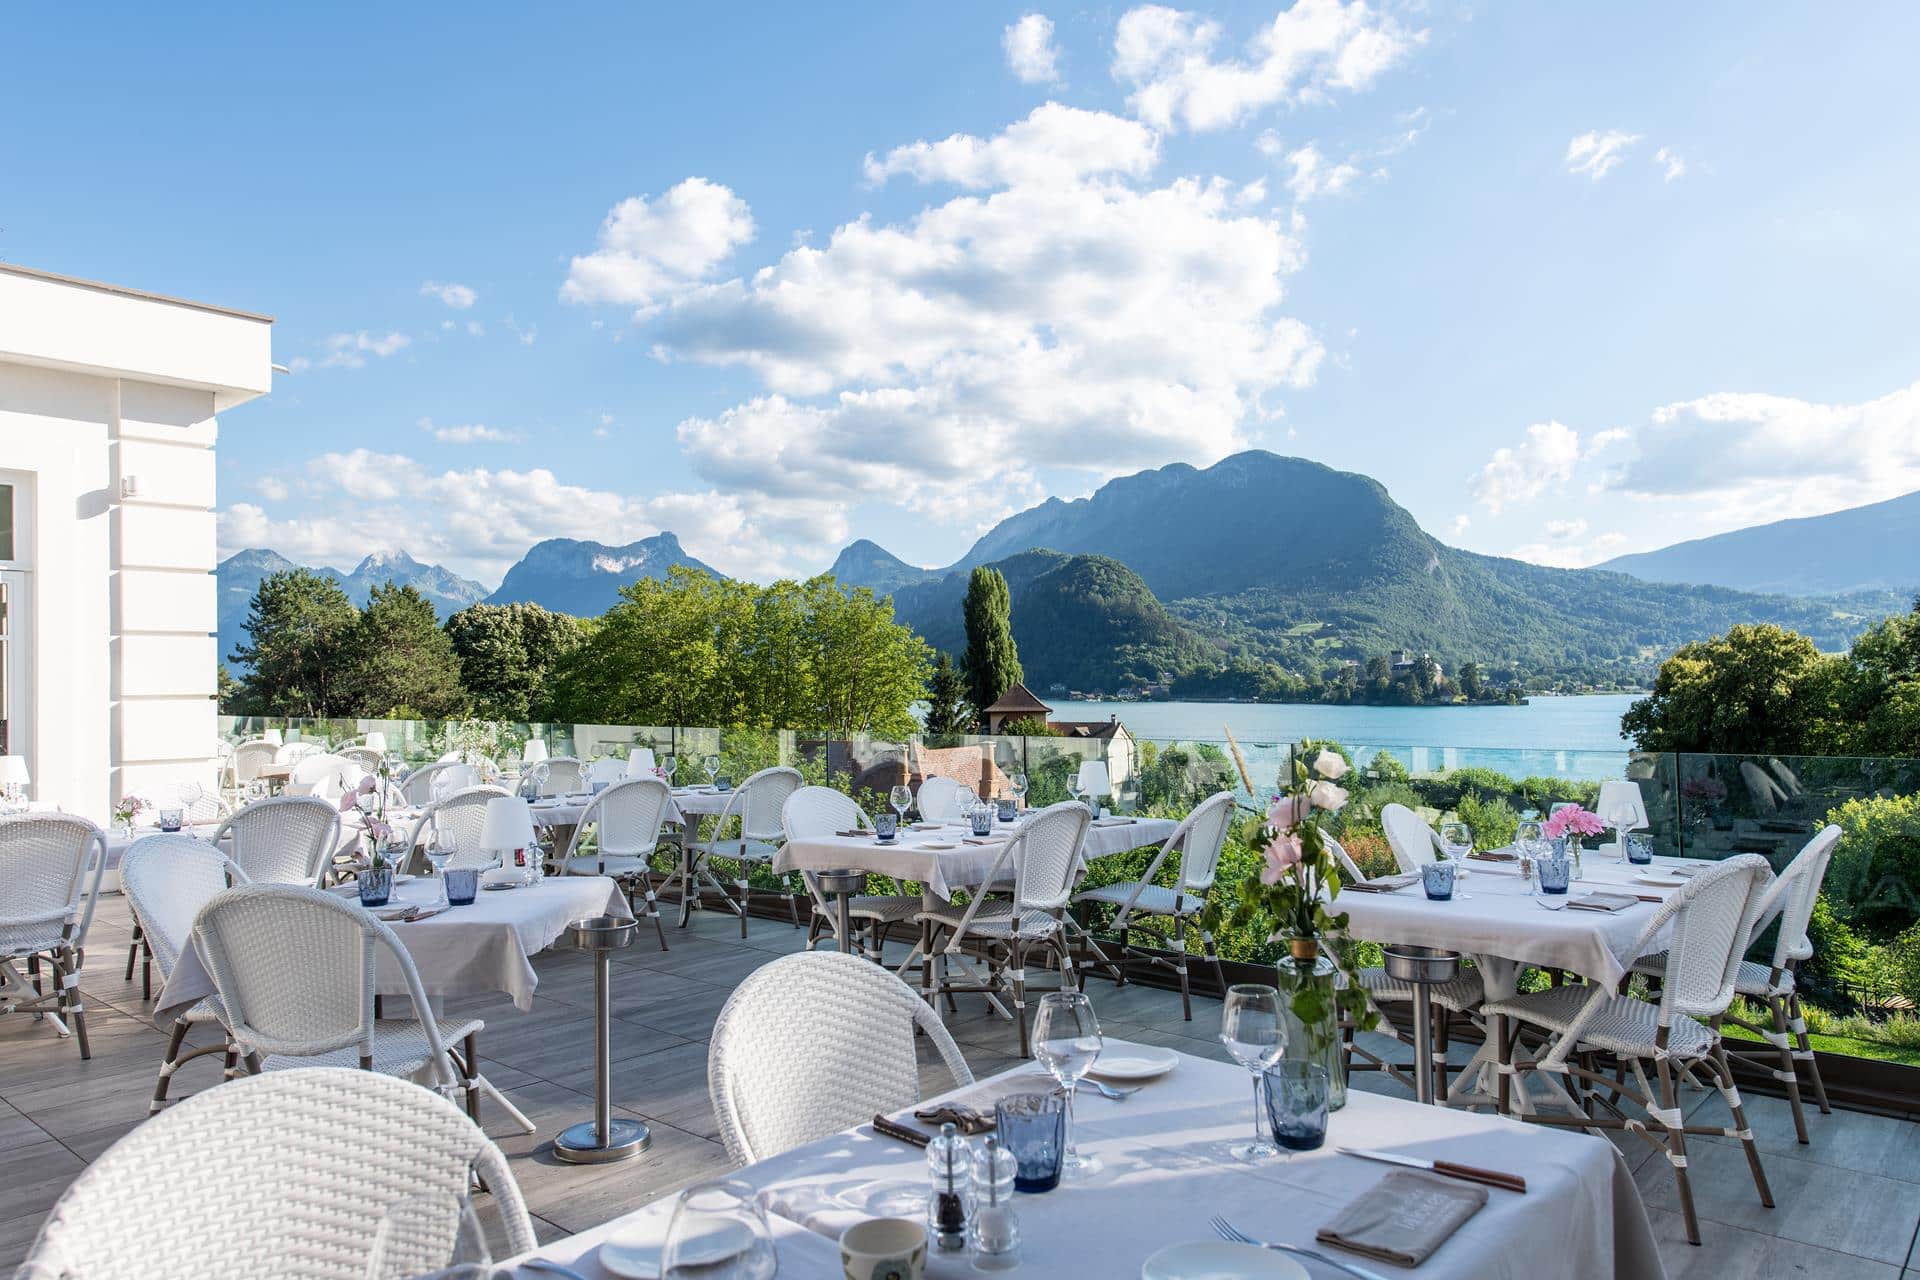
(1330, 765)
(348, 801)
(1324, 795)
(1287, 811)
(1281, 856)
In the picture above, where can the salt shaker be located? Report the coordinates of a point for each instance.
(950, 1190)
(996, 1227)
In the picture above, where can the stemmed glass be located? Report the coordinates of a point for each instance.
(440, 851)
(711, 763)
(1251, 1029)
(1018, 785)
(668, 763)
(191, 794)
(1458, 839)
(718, 1232)
(900, 799)
(1066, 1039)
(1530, 839)
(436, 1232)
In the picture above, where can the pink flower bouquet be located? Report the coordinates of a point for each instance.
(1572, 821)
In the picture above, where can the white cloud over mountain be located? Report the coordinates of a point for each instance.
(651, 246)
(1523, 472)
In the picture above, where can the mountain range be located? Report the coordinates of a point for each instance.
(584, 578)
(239, 576)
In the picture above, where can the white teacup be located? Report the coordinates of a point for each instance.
(884, 1249)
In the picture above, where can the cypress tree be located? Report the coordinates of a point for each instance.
(991, 662)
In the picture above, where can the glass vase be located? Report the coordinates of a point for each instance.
(1308, 981)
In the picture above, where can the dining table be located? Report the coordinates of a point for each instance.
(1164, 1174)
(1504, 925)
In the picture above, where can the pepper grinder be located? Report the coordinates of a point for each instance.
(950, 1191)
(996, 1227)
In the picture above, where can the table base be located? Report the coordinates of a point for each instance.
(580, 1143)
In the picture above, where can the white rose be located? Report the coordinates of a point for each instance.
(1330, 765)
(1324, 795)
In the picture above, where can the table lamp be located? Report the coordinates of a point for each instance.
(534, 752)
(14, 777)
(1622, 807)
(1094, 784)
(377, 741)
(640, 762)
(273, 736)
(508, 830)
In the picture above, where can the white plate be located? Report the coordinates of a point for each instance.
(939, 846)
(1220, 1260)
(635, 1253)
(1120, 1061)
(1654, 878)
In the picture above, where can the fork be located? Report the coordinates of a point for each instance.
(1227, 1231)
(1103, 1089)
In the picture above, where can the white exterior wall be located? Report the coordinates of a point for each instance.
(107, 420)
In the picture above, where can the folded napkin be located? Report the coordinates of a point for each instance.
(1404, 1218)
(853, 833)
(1385, 884)
(405, 912)
(1494, 855)
(925, 826)
(1605, 902)
(1113, 822)
(984, 840)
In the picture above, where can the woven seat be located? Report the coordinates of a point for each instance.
(1710, 919)
(815, 812)
(47, 896)
(994, 920)
(283, 1175)
(814, 1043)
(167, 879)
(625, 820)
(402, 1047)
(1150, 899)
(285, 840)
(748, 831)
(1459, 995)
(1754, 980)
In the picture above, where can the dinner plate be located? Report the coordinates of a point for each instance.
(1119, 1061)
(939, 846)
(1220, 1260)
(1655, 878)
(634, 1254)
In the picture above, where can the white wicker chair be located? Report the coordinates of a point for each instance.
(625, 819)
(607, 769)
(323, 774)
(1711, 917)
(562, 775)
(364, 758)
(1044, 855)
(822, 811)
(294, 968)
(48, 896)
(1413, 842)
(167, 879)
(249, 758)
(444, 777)
(283, 1175)
(1790, 900)
(285, 840)
(290, 752)
(461, 816)
(938, 799)
(1199, 838)
(756, 806)
(814, 1043)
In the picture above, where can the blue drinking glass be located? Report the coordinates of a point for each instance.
(885, 825)
(1437, 878)
(1297, 1093)
(1033, 1126)
(1556, 873)
(1009, 809)
(1640, 850)
(461, 884)
(982, 820)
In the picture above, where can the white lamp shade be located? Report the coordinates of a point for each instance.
(1093, 779)
(640, 762)
(377, 741)
(534, 752)
(271, 735)
(13, 771)
(1621, 805)
(509, 824)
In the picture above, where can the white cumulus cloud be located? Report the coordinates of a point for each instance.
(350, 350)
(1671, 164)
(1598, 153)
(650, 246)
(1055, 144)
(1313, 175)
(457, 296)
(470, 433)
(1522, 472)
(1030, 51)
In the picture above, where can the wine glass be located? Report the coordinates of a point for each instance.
(900, 799)
(436, 1232)
(711, 763)
(1250, 1027)
(1457, 838)
(718, 1232)
(1018, 785)
(440, 851)
(1066, 1039)
(1529, 839)
(668, 763)
(191, 794)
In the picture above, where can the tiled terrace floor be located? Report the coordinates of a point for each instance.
(1848, 1205)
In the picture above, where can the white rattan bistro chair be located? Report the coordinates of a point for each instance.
(294, 969)
(364, 758)
(561, 776)
(290, 752)
(1710, 918)
(323, 774)
(938, 799)
(1199, 838)
(1789, 900)
(461, 818)
(167, 879)
(285, 840)
(1413, 842)
(818, 812)
(50, 868)
(282, 1175)
(748, 833)
(606, 769)
(814, 1043)
(249, 758)
(437, 781)
(625, 820)
(1044, 858)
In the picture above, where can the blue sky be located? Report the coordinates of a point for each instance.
(1569, 281)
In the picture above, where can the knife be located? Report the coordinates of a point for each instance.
(1447, 1168)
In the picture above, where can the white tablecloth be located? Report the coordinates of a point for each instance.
(464, 951)
(687, 804)
(963, 866)
(1163, 1178)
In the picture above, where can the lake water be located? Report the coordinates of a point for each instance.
(1576, 737)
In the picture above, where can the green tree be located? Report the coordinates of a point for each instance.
(654, 658)
(298, 625)
(948, 711)
(991, 662)
(1029, 727)
(1881, 693)
(1469, 681)
(507, 655)
(871, 669)
(1758, 688)
(399, 660)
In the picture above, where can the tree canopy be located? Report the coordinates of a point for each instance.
(507, 653)
(399, 662)
(991, 662)
(297, 631)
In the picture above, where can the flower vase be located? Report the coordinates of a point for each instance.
(1310, 1013)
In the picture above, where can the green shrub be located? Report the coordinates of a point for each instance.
(1493, 820)
(1876, 868)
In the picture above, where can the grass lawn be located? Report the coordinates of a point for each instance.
(1845, 1044)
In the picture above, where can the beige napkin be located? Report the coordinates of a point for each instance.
(1404, 1218)
(1604, 902)
(1385, 884)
